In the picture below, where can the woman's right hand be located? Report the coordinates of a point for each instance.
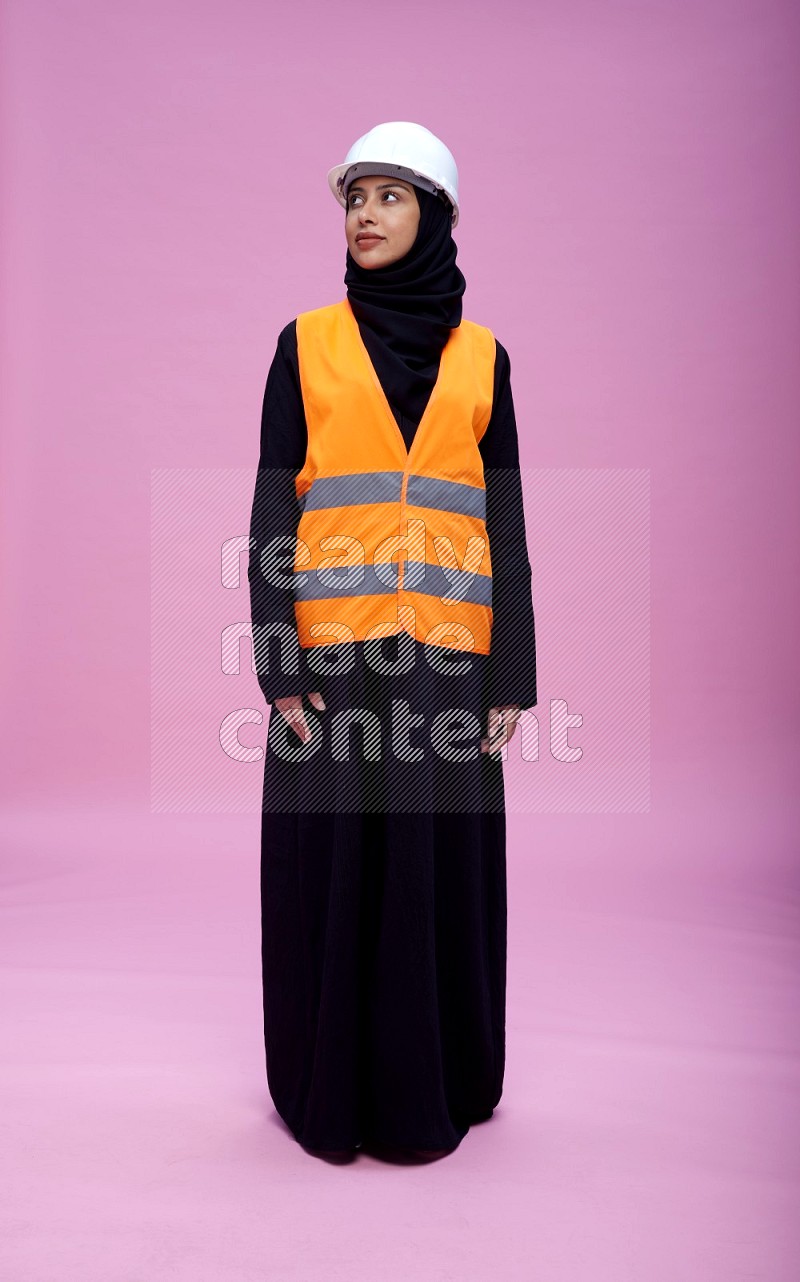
(291, 709)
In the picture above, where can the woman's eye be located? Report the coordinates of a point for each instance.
(353, 199)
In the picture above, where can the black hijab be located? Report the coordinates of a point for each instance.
(406, 310)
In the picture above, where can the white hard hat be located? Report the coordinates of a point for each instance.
(402, 149)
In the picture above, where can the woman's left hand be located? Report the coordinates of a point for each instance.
(501, 726)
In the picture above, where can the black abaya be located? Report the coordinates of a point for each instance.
(383, 885)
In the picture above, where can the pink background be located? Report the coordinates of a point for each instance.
(629, 230)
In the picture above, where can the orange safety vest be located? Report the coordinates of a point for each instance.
(366, 498)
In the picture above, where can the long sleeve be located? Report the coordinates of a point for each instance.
(281, 667)
(512, 662)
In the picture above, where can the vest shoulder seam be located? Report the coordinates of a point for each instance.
(318, 311)
(476, 325)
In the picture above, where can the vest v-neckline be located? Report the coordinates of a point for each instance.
(445, 356)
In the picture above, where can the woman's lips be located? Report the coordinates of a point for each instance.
(367, 241)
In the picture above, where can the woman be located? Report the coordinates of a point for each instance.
(383, 865)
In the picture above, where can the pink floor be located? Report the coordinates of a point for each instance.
(648, 1128)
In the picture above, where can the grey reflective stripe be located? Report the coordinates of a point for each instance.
(434, 580)
(366, 580)
(346, 580)
(449, 496)
(355, 487)
(385, 487)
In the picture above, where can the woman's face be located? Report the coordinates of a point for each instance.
(382, 219)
